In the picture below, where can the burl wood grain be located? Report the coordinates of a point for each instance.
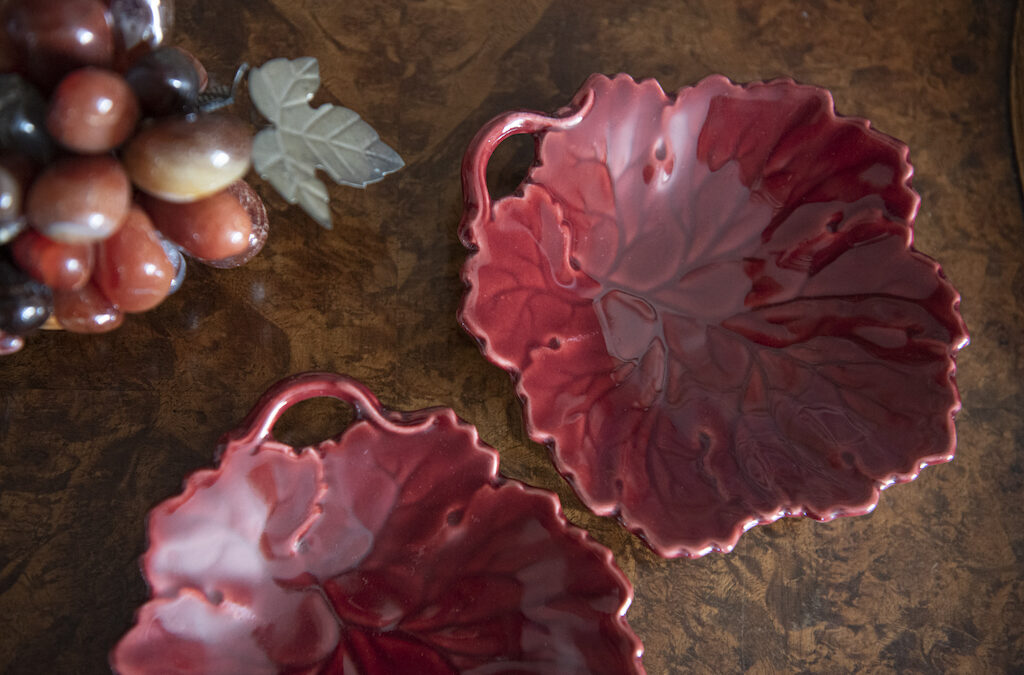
(1017, 87)
(95, 430)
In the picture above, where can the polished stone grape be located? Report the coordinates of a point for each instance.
(86, 310)
(25, 303)
(23, 120)
(79, 199)
(165, 81)
(212, 228)
(59, 266)
(132, 268)
(260, 223)
(12, 218)
(182, 159)
(11, 192)
(140, 24)
(92, 110)
(204, 77)
(9, 344)
(9, 229)
(16, 172)
(53, 37)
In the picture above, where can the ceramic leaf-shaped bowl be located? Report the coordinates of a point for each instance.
(395, 548)
(712, 307)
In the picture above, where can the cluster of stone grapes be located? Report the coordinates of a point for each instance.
(110, 166)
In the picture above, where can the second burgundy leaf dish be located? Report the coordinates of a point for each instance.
(712, 307)
(395, 548)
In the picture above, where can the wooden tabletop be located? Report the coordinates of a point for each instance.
(94, 431)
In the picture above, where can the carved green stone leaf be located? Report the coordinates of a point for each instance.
(303, 139)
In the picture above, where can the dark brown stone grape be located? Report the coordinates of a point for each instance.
(204, 77)
(23, 120)
(11, 193)
(141, 23)
(165, 81)
(25, 303)
(9, 229)
(12, 217)
(9, 344)
(16, 172)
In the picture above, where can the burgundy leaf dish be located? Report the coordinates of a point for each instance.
(711, 306)
(394, 548)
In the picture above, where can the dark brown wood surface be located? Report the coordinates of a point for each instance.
(94, 431)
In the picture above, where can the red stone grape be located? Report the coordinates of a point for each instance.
(132, 269)
(212, 228)
(257, 212)
(92, 110)
(79, 199)
(52, 37)
(65, 267)
(86, 310)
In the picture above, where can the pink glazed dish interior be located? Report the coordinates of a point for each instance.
(711, 306)
(394, 548)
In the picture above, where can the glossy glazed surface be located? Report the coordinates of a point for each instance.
(396, 548)
(712, 307)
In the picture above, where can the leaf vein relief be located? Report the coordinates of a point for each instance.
(776, 336)
(281, 90)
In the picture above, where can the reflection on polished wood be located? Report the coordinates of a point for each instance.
(95, 430)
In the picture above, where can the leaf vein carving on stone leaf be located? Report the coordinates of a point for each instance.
(329, 137)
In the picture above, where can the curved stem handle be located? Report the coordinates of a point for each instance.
(476, 199)
(257, 426)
